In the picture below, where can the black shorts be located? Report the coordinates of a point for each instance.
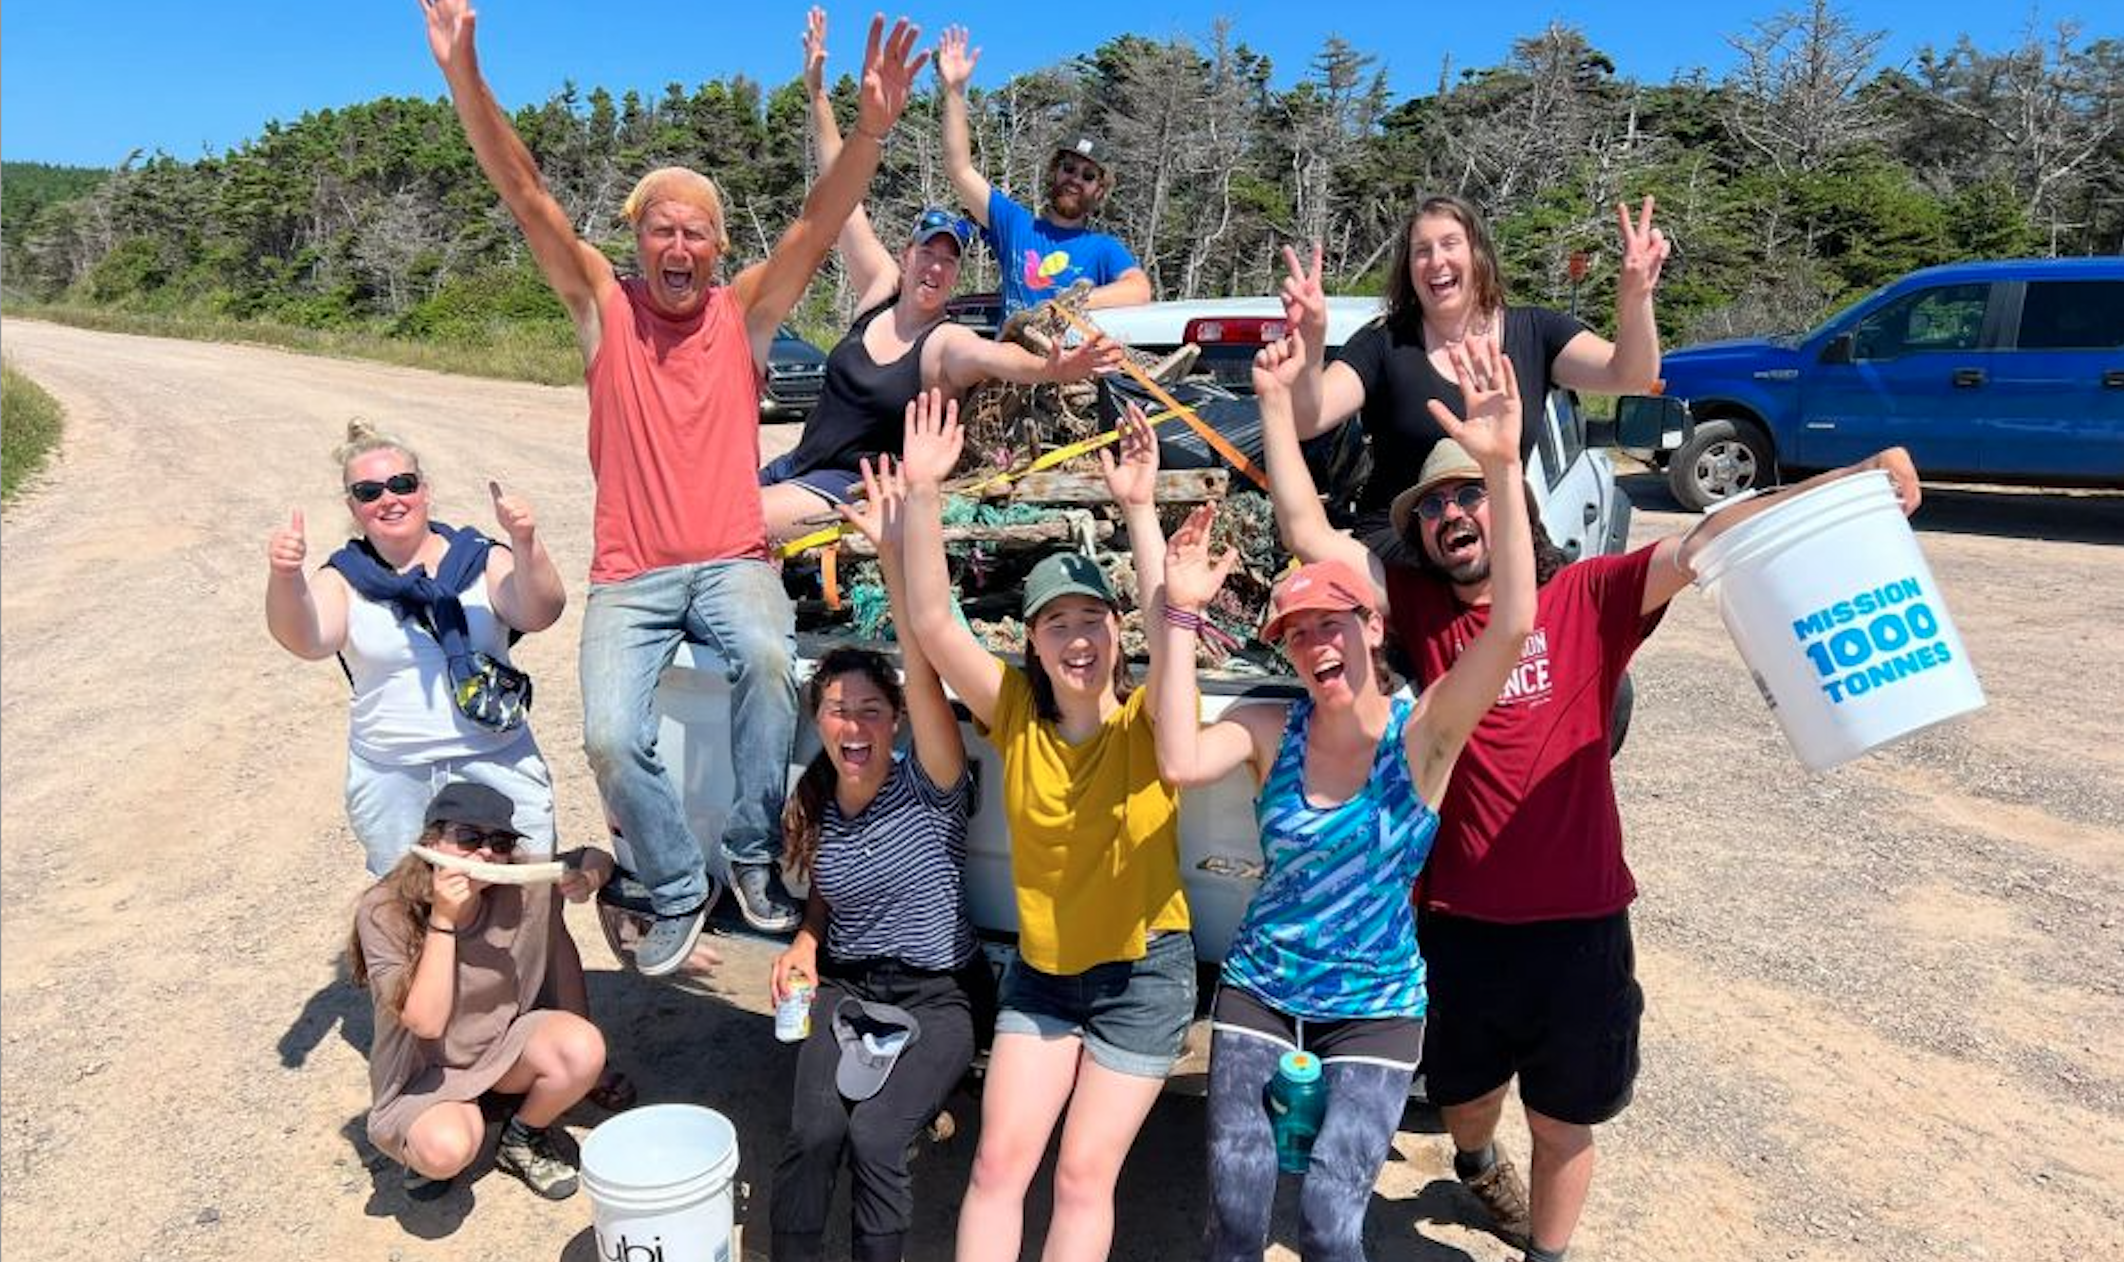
(1556, 1003)
(1393, 1041)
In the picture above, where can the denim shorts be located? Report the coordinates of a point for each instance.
(1132, 1014)
(835, 486)
(386, 803)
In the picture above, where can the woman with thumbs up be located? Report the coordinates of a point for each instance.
(421, 616)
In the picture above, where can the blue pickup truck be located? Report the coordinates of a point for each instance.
(1995, 372)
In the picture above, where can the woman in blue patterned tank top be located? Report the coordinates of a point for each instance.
(1326, 959)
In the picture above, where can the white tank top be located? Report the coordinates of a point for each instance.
(402, 712)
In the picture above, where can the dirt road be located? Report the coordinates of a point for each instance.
(1886, 1015)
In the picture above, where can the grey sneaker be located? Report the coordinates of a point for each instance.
(668, 943)
(762, 900)
(533, 1160)
(421, 1187)
(1504, 1195)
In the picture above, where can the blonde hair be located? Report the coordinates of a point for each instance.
(677, 184)
(363, 438)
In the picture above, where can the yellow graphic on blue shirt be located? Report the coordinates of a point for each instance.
(1040, 272)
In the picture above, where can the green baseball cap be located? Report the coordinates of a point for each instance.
(1064, 574)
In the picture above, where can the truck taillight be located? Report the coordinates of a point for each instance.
(1228, 330)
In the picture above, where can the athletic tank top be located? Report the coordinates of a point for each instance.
(862, 408)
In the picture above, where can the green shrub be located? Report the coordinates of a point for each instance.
(29, 429)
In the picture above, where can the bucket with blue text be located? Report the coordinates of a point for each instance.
(1840, 620)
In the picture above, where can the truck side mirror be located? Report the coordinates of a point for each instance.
(1648, 423)
(1838, 350)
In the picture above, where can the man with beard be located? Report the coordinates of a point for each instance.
(1039, 257)
(1523, 913)
(673, 362)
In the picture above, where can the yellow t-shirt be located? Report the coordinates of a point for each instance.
(1094, 833)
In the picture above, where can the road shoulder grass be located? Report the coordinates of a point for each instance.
(30, 421)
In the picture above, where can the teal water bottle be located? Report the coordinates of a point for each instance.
(1297, 1101)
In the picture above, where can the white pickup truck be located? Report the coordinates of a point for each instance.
(1582, 509)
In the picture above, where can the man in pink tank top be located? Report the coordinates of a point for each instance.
(673, 364)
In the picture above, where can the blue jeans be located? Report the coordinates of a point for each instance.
(631, 631)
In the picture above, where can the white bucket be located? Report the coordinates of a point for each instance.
(1840, 620)
(659, 1183)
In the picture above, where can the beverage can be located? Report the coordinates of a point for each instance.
(792, 1016)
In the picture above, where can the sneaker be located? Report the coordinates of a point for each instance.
(421, 1187)
(1504, 1195)
(668, 943)
(533, 1160)
(762, 900)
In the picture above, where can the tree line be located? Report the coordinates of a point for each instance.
(1802, 177)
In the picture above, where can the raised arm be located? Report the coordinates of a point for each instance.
(1133, 482)
(767, 290)
(1191, 752)
(307, 620)
(955, 67)
(523, 583)
(1456, 703)
(881, 518)
(872, 271)
(965, 359)
(1674, 558)
(1629, 364)
(1300, 519)
(577, 271)
(927, 456)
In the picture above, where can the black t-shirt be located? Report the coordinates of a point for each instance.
(862, 407)
(1399, 382)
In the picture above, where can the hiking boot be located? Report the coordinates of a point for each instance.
(529, 1155)
(668, 942)
(762, 900)
(1504, 1194)
(424, 1188)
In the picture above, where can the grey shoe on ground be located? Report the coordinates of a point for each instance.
(534, 1160)
(424, 1188)
(762, 900)
(668, 942)
(1504, 1194)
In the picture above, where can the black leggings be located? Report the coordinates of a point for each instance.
(1365, 1099)
(875, 1133)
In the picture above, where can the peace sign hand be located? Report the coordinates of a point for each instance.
(1304, 301)
(1645, 250)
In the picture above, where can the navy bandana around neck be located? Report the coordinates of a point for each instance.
(427, 602)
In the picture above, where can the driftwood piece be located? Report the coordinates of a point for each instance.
(1177, 486)
(1031, 534)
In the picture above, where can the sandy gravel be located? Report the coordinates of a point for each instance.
(1886, 1015)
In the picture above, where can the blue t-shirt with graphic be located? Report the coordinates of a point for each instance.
(1330, 934)
(1039, 259)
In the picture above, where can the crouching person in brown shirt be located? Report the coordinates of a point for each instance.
(467, 978)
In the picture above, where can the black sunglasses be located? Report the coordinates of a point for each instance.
(1079, 169)
(369, 491)
(1470, 497)
(472, 837)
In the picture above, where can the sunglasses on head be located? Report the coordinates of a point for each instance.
(1079, 169)
(368, 491)
(473, 837)
(1470, 497)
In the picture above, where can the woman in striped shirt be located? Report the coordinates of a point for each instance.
(882, 838)
(1326, 960)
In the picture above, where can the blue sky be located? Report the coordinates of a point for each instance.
(87, 84)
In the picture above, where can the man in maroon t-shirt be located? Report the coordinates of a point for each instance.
(1524, 920)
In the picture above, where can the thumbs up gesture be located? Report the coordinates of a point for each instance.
(288, 546)
(513, 514)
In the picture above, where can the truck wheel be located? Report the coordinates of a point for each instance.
(1721, 459)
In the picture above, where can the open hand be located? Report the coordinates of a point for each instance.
(450, 24)
(955, 61)
(513, 514)
(1645, 250)
(1192, 576)
(815, 51)
(288, 545)
(1102, 354)
(1491, 391)
(1304, 301)
(1133, 479)
(930, 449)
(1277, 366)
(878, 517)
(888, 75)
